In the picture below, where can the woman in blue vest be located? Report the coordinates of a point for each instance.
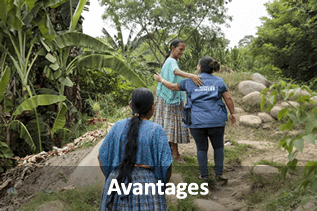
(169, 105)
(208, 112)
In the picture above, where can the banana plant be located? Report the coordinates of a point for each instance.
(5, 151)
(62, 66)
(97, 56)
(18, 19)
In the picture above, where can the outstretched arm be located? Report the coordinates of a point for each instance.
(195, 78)
(167, 84)
(229, 102)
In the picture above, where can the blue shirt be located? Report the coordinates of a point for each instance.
(167, 72)
(152, 148)
(207, 107)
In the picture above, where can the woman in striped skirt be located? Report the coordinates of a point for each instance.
(169, 105)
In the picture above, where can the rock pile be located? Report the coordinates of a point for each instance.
(252, 97)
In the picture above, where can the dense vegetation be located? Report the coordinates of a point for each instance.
(53, 77)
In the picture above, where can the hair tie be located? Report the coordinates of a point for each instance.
(136, 114)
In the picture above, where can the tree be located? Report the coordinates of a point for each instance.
(161, 18)
(35, 41)
(287, 40)
(246, 40)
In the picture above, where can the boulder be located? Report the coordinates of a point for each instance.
(275, 110)
(267, 125)
(253, 98)
(289, 104)
(209, 205)
(257, 77)
(238, 110)
(298, 94)
(265, 117)
(308, 206)
(251, 120)
(265, 170)
(314, 99)
(246, 87)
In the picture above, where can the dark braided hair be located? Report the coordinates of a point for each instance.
(209, 65)
(175, 44)
(141, 102)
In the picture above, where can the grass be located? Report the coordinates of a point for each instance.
(274, 193)
(234, 155)
(268, 194)
(83, 198)
(232, 80)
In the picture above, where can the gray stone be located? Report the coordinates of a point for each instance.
(252, 98)
(267, 125)
(238, 110)
(289, 104)
(309, 206)
(251, 120)
(209, 205)
(265, 117)
(298, 94)
(275, 110)
(257, 77)
(246, 87)
(265, 170)
(314, 99)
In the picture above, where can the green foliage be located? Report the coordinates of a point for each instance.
(82, 198)
(5, 151)
(161, 18)
(286, 41)
(295, 117)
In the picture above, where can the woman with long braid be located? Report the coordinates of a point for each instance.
(135, 151)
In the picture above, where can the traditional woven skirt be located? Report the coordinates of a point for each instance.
(170, 118)
(133, 202)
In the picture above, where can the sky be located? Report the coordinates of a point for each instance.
(246, 18)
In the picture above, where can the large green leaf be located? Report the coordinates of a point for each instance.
(5, 150)
(14, 14)
(311, 122)
(77, 13)
(66, 81)
(80, 40)
(54, 3)
(31, 3)
(28, 17)
(97, 61)
(60, 119)
(45, 25)
(3, 10)
(38, 100)
(298, 144)
(4, 80)
(24, 133)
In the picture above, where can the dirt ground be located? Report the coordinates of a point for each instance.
(56, 173)
(45, 176)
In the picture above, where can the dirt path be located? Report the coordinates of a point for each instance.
(80, 167)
